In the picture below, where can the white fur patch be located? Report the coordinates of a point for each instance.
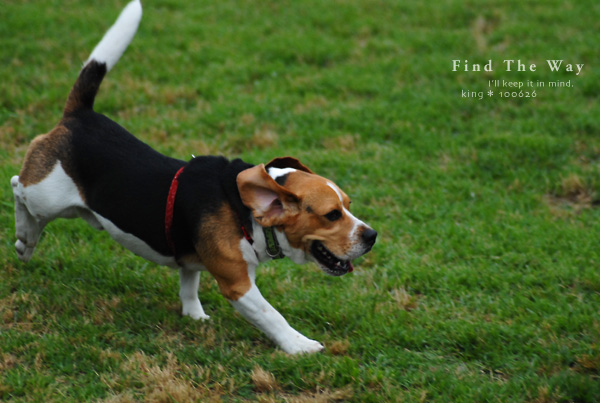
(357, 247)
(188, 293)
(134, 244)
(275, 173)
(335, 189)
(110, 49)
(296, 255)
(250, 254)
(55, 196)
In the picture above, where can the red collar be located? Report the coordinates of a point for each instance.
(169, 209)
(247, 235)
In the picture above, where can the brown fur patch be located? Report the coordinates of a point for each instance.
(218, 248)
(43, 154)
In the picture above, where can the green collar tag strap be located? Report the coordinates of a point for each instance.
(273, 248)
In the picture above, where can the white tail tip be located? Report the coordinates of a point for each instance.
(110, 49)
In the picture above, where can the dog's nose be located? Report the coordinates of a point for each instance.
(368, 236)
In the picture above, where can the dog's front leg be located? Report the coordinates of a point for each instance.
(235, 273)
(261, 314)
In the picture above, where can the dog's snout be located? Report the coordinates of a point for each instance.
(369, 236)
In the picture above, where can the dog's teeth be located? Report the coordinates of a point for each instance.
(330, 261)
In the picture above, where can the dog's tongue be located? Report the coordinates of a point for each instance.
(351, 269)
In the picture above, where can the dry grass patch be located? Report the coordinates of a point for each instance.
(588, 363)
(345, 143)
(573, 193)
(321, 396)
(270, 390)
(8, 361)
(19, 310)
(156, 383)
(265, 137)
(339, 347)
(483, 29)
(263, 381)
(399, 300)
(324, 396)
(310, 105)
(403, 299)
(574, 189)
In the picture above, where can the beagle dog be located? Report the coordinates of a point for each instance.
(207, 214)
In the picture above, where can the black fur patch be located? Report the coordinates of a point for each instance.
(281, 179)
(86, 87)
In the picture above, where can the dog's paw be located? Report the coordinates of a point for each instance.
(24, 253)
(301, 345)
(196, 313)
(201, 317)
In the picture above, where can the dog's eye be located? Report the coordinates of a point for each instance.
(334, 215)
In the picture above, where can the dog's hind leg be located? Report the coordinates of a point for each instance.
(28, 228)
(36, 204)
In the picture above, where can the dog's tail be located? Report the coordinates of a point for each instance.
(104, 56)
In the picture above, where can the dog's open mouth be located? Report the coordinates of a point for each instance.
(330, 263)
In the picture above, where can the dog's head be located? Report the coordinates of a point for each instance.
(312, 212)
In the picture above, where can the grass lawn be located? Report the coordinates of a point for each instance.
(485, 281)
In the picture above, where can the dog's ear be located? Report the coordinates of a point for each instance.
(288, 162)
(271, 204)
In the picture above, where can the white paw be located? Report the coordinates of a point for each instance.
(23, 252)
(201, 317)
(301, 345)
(195, 312)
